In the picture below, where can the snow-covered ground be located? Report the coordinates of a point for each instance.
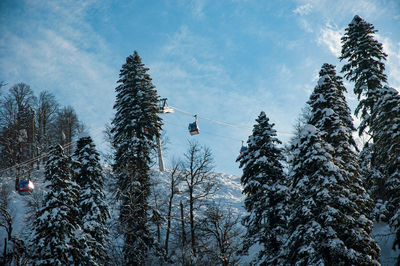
(385, 237)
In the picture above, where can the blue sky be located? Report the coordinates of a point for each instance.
(222, 60)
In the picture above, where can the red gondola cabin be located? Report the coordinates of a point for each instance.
(25, 187)
(193, 128)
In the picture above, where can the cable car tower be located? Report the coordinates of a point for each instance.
(164, 109)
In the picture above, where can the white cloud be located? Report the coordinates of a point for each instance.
(330, 37)
(303, 9)
(62, 54)
(306, 25)
(197, 8)
(393, 60)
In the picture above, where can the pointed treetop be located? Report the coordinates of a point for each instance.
(83, 141)
(262, 117)
(327, 69)
(357, 19)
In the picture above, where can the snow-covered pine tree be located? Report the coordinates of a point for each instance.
(58, 238)
(365, 66)
(94, 209)
(332, 116)
(386, 149)
(266, 194)
(135, 125)
(325, 226)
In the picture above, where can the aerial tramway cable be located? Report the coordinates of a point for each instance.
(222, 122)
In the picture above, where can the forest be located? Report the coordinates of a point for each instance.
(312, 201)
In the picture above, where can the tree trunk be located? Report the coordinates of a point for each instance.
(183, 234)
(168, 223)
(191, 217)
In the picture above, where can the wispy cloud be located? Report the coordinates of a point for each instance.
(54, 55)
(197, 8)
(392, 49)
(303, 9)
(330, 36)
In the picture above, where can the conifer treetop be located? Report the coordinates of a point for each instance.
(365, 66)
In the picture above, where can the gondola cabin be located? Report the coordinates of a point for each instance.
(243, 149)
(194, 128)
(25, 187)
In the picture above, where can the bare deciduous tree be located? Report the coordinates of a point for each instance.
(46, 114)
(200, 182)
(175, 179)
(67, 126)
(220, 235)
(17, 125)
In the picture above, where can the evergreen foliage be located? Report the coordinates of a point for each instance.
(386, 148)
(94, 209)
(263, 183)
(325, 226)
(365, 66)
(58, 238)
(135, 125)
(331, 115)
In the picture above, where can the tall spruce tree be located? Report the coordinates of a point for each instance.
(266, 193)
(325, 226)
(135, 125)
(58, 237)
(331, 115)
(386, 146)
(387, 152)
(365, 66)
(94, 209)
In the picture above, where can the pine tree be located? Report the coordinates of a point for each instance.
(387, 151)
(365, 66)
(135, 125)
(325, 226)
(58, 238)
(94, 209)
(263, 183)
(331, 115)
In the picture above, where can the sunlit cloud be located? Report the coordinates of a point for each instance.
(330, 37)
(55, 57)
(392, 49)
(303, 9)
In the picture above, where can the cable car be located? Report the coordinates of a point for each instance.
(194, 127)
(25, 187)
(243, 148)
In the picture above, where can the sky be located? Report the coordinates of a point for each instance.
(225, 61)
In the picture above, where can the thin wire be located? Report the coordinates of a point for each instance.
(225, 123)
(34, 159)
(41, 156)
(202, 131)
(209, 119)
